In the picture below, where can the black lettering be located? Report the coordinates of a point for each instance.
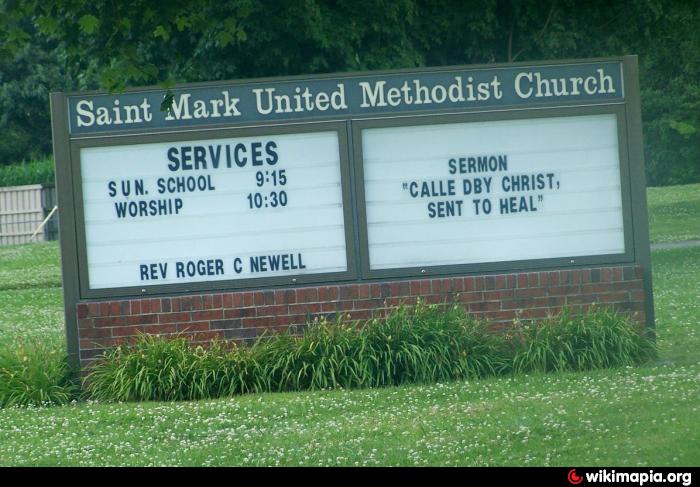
(271, 150)
(174, 164)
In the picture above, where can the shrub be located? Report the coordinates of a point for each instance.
(413, 344)
(598, 339)
(35, 374)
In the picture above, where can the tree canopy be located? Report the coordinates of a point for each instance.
(80, 44)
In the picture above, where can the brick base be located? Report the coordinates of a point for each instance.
(245, 314)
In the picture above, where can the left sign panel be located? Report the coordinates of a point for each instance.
(210, 210)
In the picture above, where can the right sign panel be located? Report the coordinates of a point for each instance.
(496, 191)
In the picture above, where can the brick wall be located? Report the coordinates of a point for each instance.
(243, 315)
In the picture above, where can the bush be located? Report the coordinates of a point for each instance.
(598, 339)
(413, 344)
(36, 374)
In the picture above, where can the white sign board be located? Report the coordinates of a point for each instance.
(493, 191)
(209, 210)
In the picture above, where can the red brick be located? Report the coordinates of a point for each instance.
(637, 295)
(576, 277)
(216, 301)
(582, 299)
(247, 299)
(348, 292)
(121, 331)
(211, 314)
(227, 300)
(94, 309)
(533, 279)
(522, 281)
(193, 326)
(625, 285)
(617, 274)
(471, 297)
(614, 297)
(500, 281)
(424, 287)
(530, 293)
(498, 295)
(363, 291)
(86, 323)
(468, 284)
(239, 312)
(141, 319)
(279, 297)
(109, 321)
(263, 321)
(135, 307)
(561, 290)
(274, 310)
(95, 332)
(502, 315)
(360, 314)
(206, 336)
(305, 308)
(311, 295)
(82, 310)
(115, 308)
(516, 303)
(173, 317)
(565, 277)
(160, 329)
(328, 293)
(195, 302)
(596, 288)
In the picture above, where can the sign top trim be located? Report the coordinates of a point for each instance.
(334, 96)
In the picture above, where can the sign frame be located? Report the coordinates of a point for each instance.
(616, 109)
(200, 286)
(68, 183)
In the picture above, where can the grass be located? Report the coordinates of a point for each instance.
(674, 213)
(637, 416)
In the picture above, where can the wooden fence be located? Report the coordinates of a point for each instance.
(22, 209)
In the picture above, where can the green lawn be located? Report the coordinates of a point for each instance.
(674, 213)
(633, 416)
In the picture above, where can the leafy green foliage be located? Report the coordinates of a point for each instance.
(50, 46)
(39, 171)
(35, 373)
(420, 344)
(596, 340)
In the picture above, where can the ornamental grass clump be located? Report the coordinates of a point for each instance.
(413, 344)
(600, 338)
(36, 373)
(157, 369)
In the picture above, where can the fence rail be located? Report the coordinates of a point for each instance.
(22, 209)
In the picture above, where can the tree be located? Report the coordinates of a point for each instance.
(143, 42)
